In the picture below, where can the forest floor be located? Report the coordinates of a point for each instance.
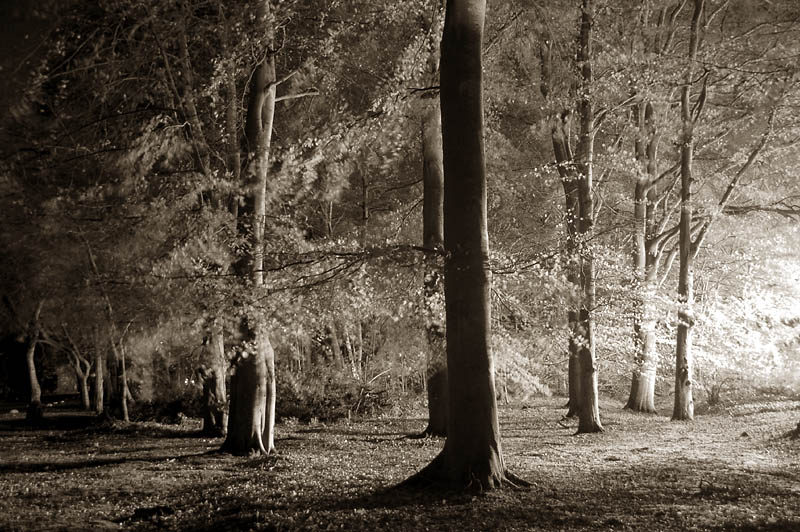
(731, 470)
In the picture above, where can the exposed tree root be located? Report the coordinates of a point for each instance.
(435, 477)
(427, 433)
(590, 430)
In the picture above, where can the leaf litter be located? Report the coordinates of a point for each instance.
(726, 471)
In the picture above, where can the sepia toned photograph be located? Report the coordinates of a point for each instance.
(400, 265)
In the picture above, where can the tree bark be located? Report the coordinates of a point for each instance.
(119, 358)
(333, 342)
(472, 455)
(247, 424)
(215, 414)
(82, 367)
(35, 411)
(645, 265)
(252, 408)
(433, 242)
(589, 411)
(99, 365)
(683, 408)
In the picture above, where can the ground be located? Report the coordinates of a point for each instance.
(730, 470)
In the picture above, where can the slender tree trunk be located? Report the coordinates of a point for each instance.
(119, 357)
(573, 375)
(642, 394)
(684, 404)
(35, 411)
(472, 455)
(215, 415)
(565, 165)
(589, 411)
(82, 367)
(251, 424)
(99, 365)
(333, 342)
(433, 241)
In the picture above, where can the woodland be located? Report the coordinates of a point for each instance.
(426, 265)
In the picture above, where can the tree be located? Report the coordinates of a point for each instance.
(559, 127)
(251, 423)
(433, 242)
(652, 249)
(34, 412)
(81, 365)
(472, 455)
(576, 174)
(212, 374)
(588, 412)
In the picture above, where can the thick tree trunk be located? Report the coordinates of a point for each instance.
(472, 455)
(252, 408)
(248, 415)
(642, 395)
(684, 404)
(589, 411)
(433, 241)
(35, 410)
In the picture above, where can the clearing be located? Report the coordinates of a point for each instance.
(731, 470)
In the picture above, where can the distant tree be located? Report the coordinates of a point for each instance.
(35, 410)
(576, 174)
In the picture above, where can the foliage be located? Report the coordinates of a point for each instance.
(117, 150)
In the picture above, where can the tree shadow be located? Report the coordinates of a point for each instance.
(50, 422)
(41, 467)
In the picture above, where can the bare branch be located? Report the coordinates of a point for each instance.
(295, 96)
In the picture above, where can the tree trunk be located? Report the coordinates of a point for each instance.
(82, 367)
(122, 390)
(215, 414)
(99, 365)
(684, 404)
(436, 385)
(565, 165)
(248, 416)
(252, 408)
(83, 386)
(333, 342)
(433, 242)
(573, 376)
(35, 411)
(589, 411)
(472, 455)
(642, 394)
